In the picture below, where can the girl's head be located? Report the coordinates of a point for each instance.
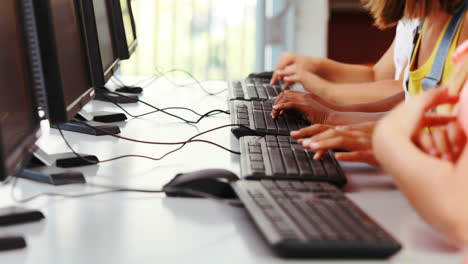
(387, 13)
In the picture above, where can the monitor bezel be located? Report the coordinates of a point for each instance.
(99, 76)
(60, 113)
(125, 51)
(20, 155)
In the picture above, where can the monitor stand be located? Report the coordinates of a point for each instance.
(91, 128)
(101, 116)
(103, 94)
(47, 168)
(12, 242)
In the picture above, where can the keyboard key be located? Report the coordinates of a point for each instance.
(257, 166)
(316, 165)
(281, 124)
(267, 107)
(299, 218)
(299, 186)
(271, 124)
(257, 106)
(303, 164)
(261, 92)
(285, 186)
(329, 165)
(259, 121)
(242, 109)
(244, 122)
(277, 89)
(256, 157)
(269, 185)
(276, 161)
(290, 162)
(255, 149)
(272, 144)
(291, 122)
(242, 116)
(271, 92)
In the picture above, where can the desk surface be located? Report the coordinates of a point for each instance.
(151, 228)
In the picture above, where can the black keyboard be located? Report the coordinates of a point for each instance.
(282, 158)
(257, 116)
(258, 89)
(313, 220)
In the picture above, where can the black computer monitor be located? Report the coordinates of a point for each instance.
(124, 27)
(102, 51)
(65, 59)
(19, 119)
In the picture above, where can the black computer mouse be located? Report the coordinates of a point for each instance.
(130, 89)
(215, 182)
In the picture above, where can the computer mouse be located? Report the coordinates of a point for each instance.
(215, 182)
(262, 75)
(130, 89)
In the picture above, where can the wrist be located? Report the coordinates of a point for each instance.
(333, 118)
(314, 64)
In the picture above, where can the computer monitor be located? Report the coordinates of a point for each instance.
(124, 27)
(65, 59)
(103, 54)
(19, 119)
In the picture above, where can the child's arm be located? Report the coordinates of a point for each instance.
(334, 71)
(347, 93)
(436, 188)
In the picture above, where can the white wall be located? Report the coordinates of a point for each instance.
(311, 27)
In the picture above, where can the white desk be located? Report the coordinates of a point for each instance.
(144, 228)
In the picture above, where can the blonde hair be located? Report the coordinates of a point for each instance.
(387, 13)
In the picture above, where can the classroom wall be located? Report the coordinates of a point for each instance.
(352, 37)
(312, 27)
(339, 29)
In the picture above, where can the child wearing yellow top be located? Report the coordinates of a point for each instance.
(436, 188)
(387, 12)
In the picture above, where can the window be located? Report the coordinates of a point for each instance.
(213, 39)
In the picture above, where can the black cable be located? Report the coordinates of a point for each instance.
(182, 143)
(116, 189)
(210, 113)
(164, 75)
(207, 114)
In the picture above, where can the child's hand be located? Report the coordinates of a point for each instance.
(355, 138)
(444, 142)
(310, 109)
(443, 139)
(292, 68)
(417, 115)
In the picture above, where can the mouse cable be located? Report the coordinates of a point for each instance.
(210, 113)
(117, 189)
(183, 143)
(164, 74)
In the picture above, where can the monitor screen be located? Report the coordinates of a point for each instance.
(19, 119)
(109, 56)
(123, 28)
(66, 67)
(128, 22)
